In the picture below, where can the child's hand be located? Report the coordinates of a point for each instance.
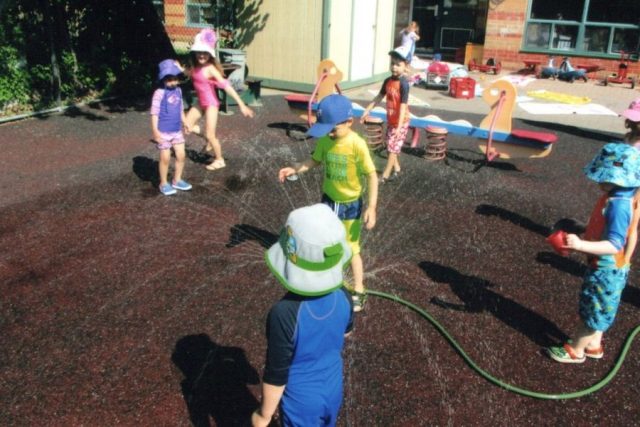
(156, 137)
(573, 242)
(187, 129)
(246, 111)
(257, 420)
(285, 172)
(369, 218)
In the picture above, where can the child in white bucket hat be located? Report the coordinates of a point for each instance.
(207, 75)
(307, 327)
(346, 158)
(167, 118)
(632, 122)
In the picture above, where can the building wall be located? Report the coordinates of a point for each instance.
(288, 47)
(339, 35)
(503, 40)
(384, 36)
(175, 20)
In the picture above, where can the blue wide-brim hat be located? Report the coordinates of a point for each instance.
(616, 163)
(166, 68)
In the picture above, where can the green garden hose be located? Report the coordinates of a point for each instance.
(496, 381)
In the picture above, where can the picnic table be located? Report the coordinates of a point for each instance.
(531, 66)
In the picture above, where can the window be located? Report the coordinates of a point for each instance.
(199, 13)
(159, 7)
(601, 28)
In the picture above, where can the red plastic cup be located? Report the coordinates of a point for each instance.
(558, 240)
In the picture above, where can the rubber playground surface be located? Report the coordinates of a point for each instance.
(120, 306)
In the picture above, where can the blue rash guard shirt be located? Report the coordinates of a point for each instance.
(305, 337)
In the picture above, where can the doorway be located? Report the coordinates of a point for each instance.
(363, 41)
(425, 13)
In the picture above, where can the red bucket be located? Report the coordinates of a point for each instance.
(558, 240)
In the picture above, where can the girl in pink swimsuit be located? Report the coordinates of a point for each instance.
(207, 75)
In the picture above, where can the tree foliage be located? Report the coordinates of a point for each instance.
(60, 51)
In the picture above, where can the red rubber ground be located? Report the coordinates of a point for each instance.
(119, 306)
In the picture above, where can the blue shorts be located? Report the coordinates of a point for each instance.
(600, 296)
(349, 213)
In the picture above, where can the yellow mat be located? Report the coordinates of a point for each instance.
(559, 97)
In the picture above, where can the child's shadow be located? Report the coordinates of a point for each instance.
(240, 233)
(146, 169)
(476, 297)
(215, 383)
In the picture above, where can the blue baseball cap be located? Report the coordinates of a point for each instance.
(332, 110)
(166, 68)
(616, 163)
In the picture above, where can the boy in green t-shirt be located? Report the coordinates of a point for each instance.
(346, 158)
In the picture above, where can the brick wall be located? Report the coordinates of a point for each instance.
(505, 28)
(175, 24)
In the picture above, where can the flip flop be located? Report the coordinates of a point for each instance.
(217, 164)
(594, 353)
(564, 354)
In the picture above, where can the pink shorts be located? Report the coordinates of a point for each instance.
(169, 139)
(396, 137)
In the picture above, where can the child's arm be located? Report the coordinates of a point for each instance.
(301, 168)
(185, 71)
(183, 117)
(369, 216)
(154, 127)
(403, 113)
(373, 103)
(213, 73)
(618, 217)
(271, 395)
(602, 247)
(155, 110)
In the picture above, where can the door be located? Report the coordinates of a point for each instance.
(364, 36)
(425, 13)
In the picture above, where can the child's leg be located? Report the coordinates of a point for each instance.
(395, 140)
(585, 338)
(391, 161)
(357, 269)
(193, 115)
(163, 165)
(179, 165)
(211, 122)
(396, 165)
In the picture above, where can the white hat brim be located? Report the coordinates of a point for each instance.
(304, 282)
(199, 46)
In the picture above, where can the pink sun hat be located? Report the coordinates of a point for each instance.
(633, 112)
(205, 41)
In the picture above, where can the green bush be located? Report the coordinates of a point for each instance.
(14, 79)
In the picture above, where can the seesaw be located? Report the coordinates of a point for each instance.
(328, 78)
(501, 140)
